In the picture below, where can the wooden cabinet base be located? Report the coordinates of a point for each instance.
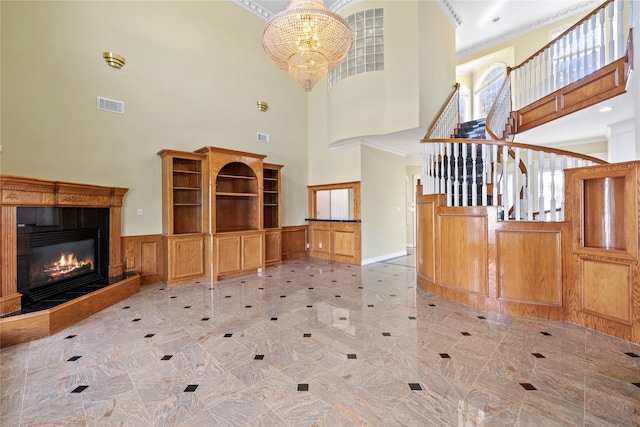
(238, 253)
(40, 324)
(184, 258)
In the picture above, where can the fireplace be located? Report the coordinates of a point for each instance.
(63, 260)
(61, 253)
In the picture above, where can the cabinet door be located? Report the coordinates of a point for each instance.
(272, 247)
(227, 254)
(186, 257)
(252, 251)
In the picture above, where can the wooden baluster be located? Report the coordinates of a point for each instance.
(474, 175)
(584, 51)
(548, 68)
(465, 175)
(575, 53)
(448, 171)
(494, 160)
(485, 160)
(592, 54)
(567, 60)
(437, 169)
(530, 172)
(505, 188)
(552, 168)
(456, 184)
(563, 166)
(541, 208)
(516, 183)
(602, 48)
(612, 47)
(620, 42)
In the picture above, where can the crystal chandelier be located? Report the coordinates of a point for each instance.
(307, 40)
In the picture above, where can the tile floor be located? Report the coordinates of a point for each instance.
(317, 343)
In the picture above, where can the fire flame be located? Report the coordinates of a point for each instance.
(66, 264)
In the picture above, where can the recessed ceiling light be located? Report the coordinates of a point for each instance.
(605, 109)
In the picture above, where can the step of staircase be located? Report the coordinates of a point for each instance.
(474, 129)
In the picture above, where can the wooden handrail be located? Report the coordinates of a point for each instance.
(570, 29)
(456, 87)
(519, 145)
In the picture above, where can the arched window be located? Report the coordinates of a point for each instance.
(487, 90)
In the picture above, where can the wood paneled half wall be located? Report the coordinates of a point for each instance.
(585, 269)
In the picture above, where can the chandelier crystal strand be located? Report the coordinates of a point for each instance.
(307, 41)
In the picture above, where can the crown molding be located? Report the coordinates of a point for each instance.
(585, 6)
(363, 141)
(451, 13)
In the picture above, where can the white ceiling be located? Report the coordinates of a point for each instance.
(481, 24)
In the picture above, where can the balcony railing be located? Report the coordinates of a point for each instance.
(525, 182)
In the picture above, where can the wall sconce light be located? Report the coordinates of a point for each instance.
(262, 105)
(114, 59)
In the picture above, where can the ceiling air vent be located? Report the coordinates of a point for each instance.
(263, 137)
(112, 105)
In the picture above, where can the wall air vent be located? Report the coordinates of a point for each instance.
(112, 105)
(263, 137)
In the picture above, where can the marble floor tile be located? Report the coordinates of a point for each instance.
(337, 345)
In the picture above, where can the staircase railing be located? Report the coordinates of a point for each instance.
(525, 182)
(596, 40)
(499, 115)
(449, 117)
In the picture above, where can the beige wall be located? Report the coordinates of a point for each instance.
(193, 75)
(383, 202)
(411, 171)
(436, 50)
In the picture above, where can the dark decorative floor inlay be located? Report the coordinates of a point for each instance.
(227, 296)
(126, 307)
(432, 305)
(309, 306)
(351, 356)
(636, 384)
(247, 306)
(211, 289)
(68, 337)
(161, 289)
(191, 388)
(283, 296)
(204, 319)
(547, 334)
(466, 334)
(288, 281)
(136, 320)
(360, 287)
(80, 389)
(334, 281)
(379, 280)
(173, 297)
(630, 354)
(412, 317)
(369, 305)
(259, 357)
(337, 296)
(243, 281)
(415, 386)
(149, 335)
(310, 288)
(353, 275)
(386, 334)
(187, 306)
(538, 355)
(306, 335)
(311, 275)
(228, 335)
(343, 318)
(73, 359)
(303, 387)
(481, 317)
(167, 357)
(261, 289)
(445, 355)
(269, 276)
(528, 386)
(274, 318)
(392, 295)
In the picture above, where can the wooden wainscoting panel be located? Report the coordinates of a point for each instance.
(606, 289)
(426, 244)
(273, 247)
(529, 266)
(143, 254)
(463, 252)
(294, 242)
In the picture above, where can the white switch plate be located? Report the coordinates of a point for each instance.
(139, 211)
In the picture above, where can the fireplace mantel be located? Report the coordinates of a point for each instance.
(18, 191)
